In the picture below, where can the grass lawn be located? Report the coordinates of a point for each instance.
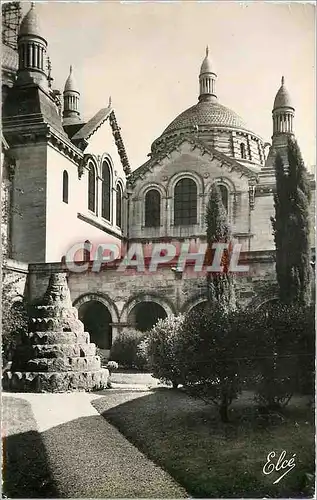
(209, 458)
(85, 457)
(133, 377)
(26, 473)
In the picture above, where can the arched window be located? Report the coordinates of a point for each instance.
(65, 187)
(119, 205)
(242, 151)
(185, 203)
(106, 191)
(91, 188)
(152, 208)
(224, 196)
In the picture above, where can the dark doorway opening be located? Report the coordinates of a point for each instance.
(97, 321)
(145, 315)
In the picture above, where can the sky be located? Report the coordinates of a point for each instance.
(147, 55)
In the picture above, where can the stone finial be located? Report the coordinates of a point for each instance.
(57, 292)
(282, 81)
(207, 51)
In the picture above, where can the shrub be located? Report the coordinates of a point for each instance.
(104, 355)
(14, 320)
(125, 351)
(286, 354)
(211, 348)
(112, 366)
(161, 346)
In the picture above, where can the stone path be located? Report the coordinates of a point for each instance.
(88, 457)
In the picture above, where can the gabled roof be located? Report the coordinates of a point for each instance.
(4, 143)
(204, 148)
(10, 58)
(88, 129)
(92, 125)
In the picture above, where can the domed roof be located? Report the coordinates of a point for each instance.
(206, 66)
(283, 98)
(206, 113)
(30, 24)
(70, 84)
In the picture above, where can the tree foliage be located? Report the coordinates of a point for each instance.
(161, 347)
(13, 313)
(291, 227)
(215, 356)
(14, 317)
(125, 350)
(220, 284)
(212, 357)
(286, 353)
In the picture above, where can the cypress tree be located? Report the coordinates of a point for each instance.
(291, 227)
(220, 285)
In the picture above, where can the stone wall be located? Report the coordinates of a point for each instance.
(121, 291)
(16, 275)
(190, 162)
(28, 219)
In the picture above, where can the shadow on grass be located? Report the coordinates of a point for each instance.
(211, 459)
(88, 457)
(26, 473)
(91, 459)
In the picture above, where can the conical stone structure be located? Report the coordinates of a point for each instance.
(56, 354)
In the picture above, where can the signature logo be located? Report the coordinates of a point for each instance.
(280, 465)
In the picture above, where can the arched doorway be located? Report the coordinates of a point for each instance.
(198, 306)
(145, 315)
(97, 321)
(269, 307)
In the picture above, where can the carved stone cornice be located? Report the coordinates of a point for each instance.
(83, 164)
(42, 132)
(64, 146)
(119, 143)
(195, 144)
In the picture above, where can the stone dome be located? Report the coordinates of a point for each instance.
(214, 124)
(283, 98)
(206, 113)
(207, 66)
(30, 24)
(70, 84)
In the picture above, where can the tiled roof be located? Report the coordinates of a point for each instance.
(10, 58)
(206, 113)
(31, 104)
(92, 125)
(249, 171)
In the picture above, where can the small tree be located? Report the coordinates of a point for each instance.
(291, 228)
(162, 346)
(220, 285)
(211, 351)
(284, 337)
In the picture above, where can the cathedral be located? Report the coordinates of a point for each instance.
(61, 190)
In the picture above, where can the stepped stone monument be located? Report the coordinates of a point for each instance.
(55, 354)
